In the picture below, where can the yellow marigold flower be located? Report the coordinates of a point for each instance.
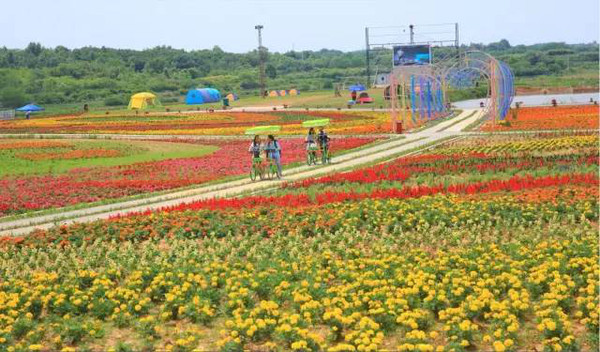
(499, 346)
(298, 345)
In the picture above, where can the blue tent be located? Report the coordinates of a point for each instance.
(30, 107)
(202, 96)
(357, 88)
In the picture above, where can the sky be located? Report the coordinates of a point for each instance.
(288, 24)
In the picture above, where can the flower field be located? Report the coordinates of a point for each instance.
(203, 123)
(482, 244)
(549, 118)
(193, 162)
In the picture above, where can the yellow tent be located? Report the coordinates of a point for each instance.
(273, 93)
(293, 92)
(142, 100)
(282, 93)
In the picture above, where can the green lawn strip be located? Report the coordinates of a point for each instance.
(306, 99)
(457, 121)
(133, 152)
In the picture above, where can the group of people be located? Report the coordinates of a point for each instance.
(272, 148)
(320, 140)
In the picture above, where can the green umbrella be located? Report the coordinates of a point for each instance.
(315, 123)
(263, 129)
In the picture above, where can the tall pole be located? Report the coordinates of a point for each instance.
(456, 39)
(412, 33)
(261, 59)
(394, 101)
(368, 63)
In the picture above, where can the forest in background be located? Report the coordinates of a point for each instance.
(61, 75)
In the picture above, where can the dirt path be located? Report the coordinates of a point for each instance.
(350, 160)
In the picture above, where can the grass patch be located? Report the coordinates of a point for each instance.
(130, 152)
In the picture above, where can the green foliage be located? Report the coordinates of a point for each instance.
(115, 100)
(13, 97)
(61, 75)
(12, 92)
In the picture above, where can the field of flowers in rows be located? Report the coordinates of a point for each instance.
(22, 193)
(549, 118)
(203, 123)
(494, 249)
(234, 123)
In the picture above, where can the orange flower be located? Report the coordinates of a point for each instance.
(549, 118)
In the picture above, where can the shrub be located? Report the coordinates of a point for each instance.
(115, 100)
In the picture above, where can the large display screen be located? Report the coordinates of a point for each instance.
(406, 55)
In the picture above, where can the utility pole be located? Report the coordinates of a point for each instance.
(367, 61)
(261, 60)
(457, 39)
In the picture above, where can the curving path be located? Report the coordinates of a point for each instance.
(412, 142)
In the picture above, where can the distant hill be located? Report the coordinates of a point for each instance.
(61, 75)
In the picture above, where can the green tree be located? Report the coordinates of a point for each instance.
(13, 97)
(271, 71)
(34, 49)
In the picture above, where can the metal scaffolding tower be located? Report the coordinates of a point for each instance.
(262, 57)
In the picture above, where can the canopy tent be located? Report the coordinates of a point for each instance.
(315, 123)
(283, 92)
(202, 96)
(262, 130)
(232, 97)
(142, 101)
(30, 108)
(357, 88)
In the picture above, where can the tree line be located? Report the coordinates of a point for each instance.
(62, 75)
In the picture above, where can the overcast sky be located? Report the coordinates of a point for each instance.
(298, 24)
